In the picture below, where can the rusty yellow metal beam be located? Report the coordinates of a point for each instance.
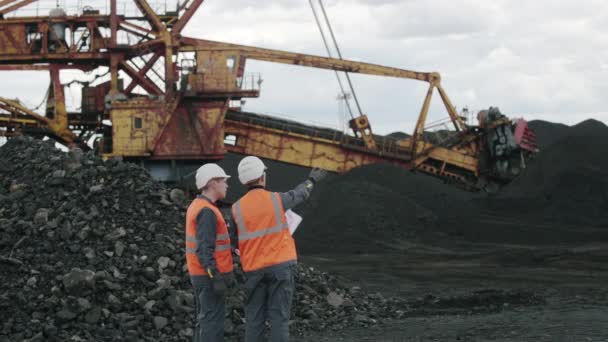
(42, 67)
(16, 6)
(6, 2)
(298, 149)
(456, 119)
(140, 79)
(142, 73)
(6, 120)
(17, 109)
(284, 57)
(149, 13)
(185, 18)
(136, 29)
(57, 128)
(423, 115)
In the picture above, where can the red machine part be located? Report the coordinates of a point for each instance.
(524, 136)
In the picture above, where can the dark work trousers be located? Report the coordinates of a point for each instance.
(269, 297)
(210, 313)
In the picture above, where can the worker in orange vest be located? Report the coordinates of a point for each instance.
(209, 253)
(267, 250)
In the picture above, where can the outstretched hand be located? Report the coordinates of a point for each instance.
(317, 175)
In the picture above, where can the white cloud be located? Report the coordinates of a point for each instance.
(538, 59)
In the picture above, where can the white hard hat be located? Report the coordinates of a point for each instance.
(208, 172)
(250, 169)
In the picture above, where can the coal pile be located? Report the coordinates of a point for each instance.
(91, 250)
(548, 133)
(568, 181)
(375, 207)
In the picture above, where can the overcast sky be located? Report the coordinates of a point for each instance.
(537, 59)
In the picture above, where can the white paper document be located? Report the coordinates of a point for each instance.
(293, 220)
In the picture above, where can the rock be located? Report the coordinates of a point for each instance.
(79, 280)
(41, 217)
(37, 338)
(96, 188)
(32, 281)
(57, 178)
(83, 304)
(177, 196)
(160, 322)
(348, 303)
(335, 299)
(112, 299)
(153, 227)
(188, 332)
(164, 282)
(17, 187)
(363, 319)
(58, 174)
(117, 234)
(150, 274)
(157, 293)
(119, 248)
(75, 155)
(102, 275)
(163, 262)
(106, 313)
(93, 316)
(94, 212)
(66, 233)
(52, 224)
(66, 315)
(89, 253)
(149, 305)
(111, 286)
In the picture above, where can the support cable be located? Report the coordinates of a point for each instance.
(333, 37)
(329, 54)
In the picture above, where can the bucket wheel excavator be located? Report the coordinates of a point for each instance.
(167, 102)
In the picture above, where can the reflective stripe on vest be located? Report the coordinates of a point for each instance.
(220, 237)
(244, 235)
(218, 248)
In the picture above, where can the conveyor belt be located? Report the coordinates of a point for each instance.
(386, 145)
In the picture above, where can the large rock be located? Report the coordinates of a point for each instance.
(79, 280)
(41, 217)
(177, 196)
(335, 299)
(160, 322)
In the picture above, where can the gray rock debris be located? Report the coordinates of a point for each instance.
(79, 280)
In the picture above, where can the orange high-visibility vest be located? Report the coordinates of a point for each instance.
(264, 238)
(222, 254)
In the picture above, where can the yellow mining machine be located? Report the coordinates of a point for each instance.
(167, 103)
